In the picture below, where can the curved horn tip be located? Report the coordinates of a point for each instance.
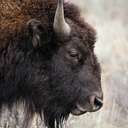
(60, 25)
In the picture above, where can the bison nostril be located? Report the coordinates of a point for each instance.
(98, 103)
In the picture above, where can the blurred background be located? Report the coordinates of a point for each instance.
(110, 19)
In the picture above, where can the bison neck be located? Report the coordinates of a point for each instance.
(23, 77)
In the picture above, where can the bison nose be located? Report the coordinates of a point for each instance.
(96, 102)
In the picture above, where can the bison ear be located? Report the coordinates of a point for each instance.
(37, 32)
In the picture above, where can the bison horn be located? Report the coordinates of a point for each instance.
(60, 25)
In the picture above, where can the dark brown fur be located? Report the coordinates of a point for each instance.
(46, 78)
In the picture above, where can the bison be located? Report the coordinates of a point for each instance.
(47, 60)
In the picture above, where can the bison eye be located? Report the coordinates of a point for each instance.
(75, 55)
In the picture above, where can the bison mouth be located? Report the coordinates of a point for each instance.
(94, 105)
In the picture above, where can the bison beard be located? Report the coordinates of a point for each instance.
(47, 60)
(55, 116)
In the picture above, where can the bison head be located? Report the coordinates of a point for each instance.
(58, 72)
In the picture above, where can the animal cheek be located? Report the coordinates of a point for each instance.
(71, 61)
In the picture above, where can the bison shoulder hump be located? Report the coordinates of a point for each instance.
(14, 15)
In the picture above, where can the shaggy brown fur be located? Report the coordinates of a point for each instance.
(14, 15)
